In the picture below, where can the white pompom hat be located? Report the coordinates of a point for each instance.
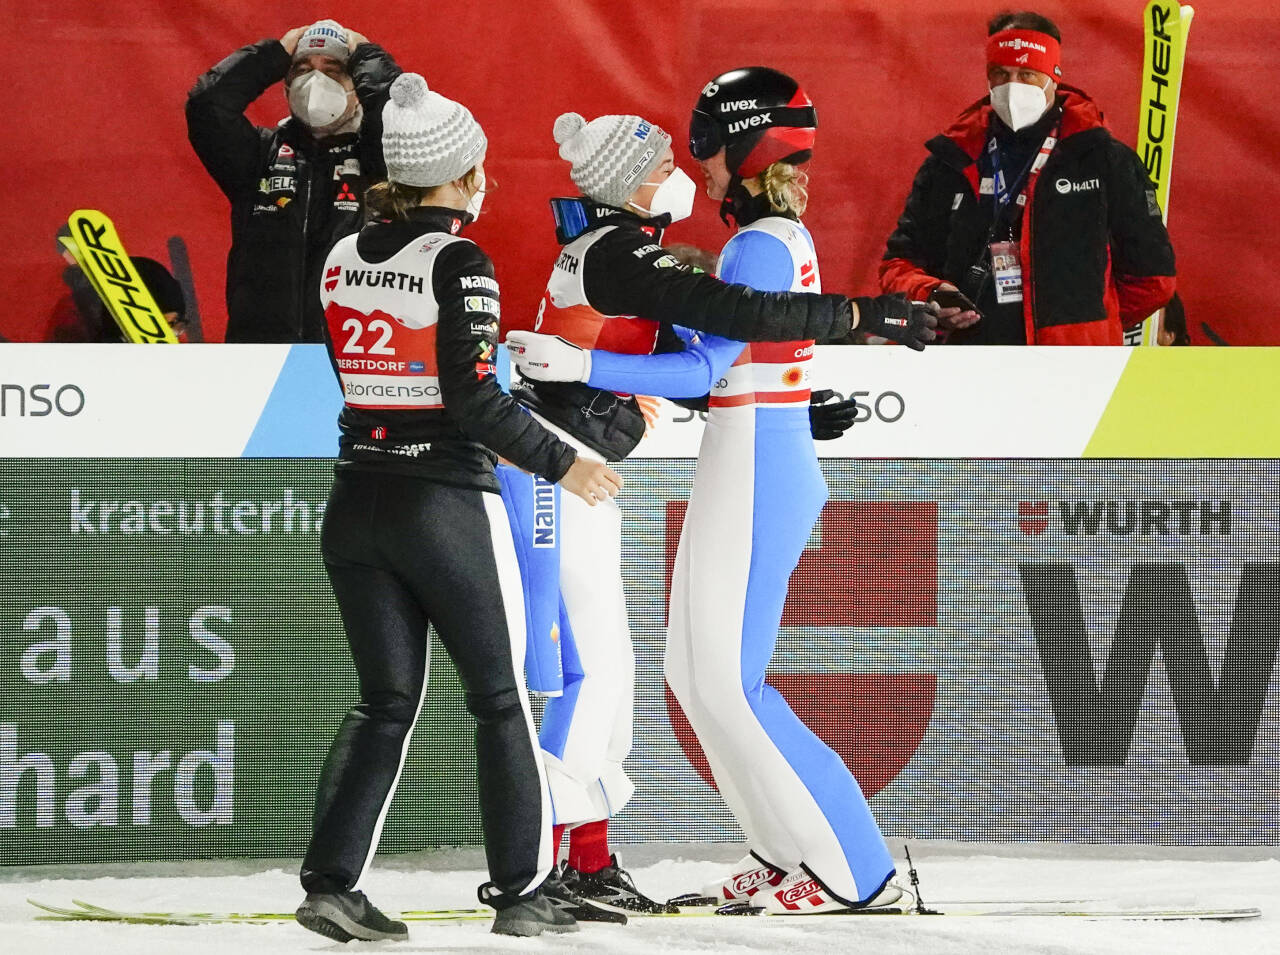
(611, 155)
(428, 139)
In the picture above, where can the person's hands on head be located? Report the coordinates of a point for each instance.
(319, 88)
(593, 481)
(354, 39)
(548, 357)
(290, 40)
(961, 314)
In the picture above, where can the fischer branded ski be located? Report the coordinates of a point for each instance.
(1165, 27)
(98, 251)
(86, 912)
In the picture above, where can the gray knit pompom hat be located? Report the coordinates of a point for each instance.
(427, 139)
(611, 155)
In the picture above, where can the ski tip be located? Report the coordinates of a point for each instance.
(692, 899)
(739, 908)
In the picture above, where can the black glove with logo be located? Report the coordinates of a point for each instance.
(828, 421)
(913, 324)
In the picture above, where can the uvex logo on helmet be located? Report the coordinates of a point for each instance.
(778, 124)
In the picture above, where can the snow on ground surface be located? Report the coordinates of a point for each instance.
(1114, 877)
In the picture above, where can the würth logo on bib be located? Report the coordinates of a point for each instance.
(331, 278)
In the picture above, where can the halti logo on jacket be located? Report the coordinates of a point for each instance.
(1065, 186)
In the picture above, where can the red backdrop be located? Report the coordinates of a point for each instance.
(99, 94)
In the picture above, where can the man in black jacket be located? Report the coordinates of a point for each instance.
(296, 189)
(1029, 209)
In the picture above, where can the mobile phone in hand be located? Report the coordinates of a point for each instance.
(952, 298)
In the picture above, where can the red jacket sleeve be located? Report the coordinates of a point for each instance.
(1140, 295)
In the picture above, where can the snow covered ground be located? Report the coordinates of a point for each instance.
(1116, 876)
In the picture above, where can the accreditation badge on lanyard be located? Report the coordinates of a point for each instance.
(1006, 255)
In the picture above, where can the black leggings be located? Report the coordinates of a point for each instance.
(401, 553)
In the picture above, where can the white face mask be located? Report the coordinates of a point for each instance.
(475, 201)
(1019, 105)
(674, 197)
(318, 100)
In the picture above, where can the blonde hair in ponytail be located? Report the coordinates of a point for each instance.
(786, 187)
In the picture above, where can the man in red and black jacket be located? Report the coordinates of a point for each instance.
(1029, 223)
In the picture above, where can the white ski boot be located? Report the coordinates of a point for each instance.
(750, 876)
(801, 894)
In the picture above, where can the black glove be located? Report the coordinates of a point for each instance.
(827, 422)
(913, 324)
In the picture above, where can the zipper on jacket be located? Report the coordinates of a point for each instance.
(1028, 275)
(299, 314)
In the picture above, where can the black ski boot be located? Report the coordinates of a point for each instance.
(612, 887)
(559, 888)
(525, 915)
(344, 916)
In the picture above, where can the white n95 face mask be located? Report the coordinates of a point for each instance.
(475, 202)
(318, 100)
(1019, 105)
(673, 197)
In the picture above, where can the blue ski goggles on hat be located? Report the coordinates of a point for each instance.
(704, 136)
(572, 218)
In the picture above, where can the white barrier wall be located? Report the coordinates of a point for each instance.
(1042, 603)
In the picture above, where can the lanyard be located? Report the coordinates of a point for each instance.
(1005, 193)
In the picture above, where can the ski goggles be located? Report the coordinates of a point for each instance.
(704, 136)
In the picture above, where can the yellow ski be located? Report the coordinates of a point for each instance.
(100, 254)
(1165, 28)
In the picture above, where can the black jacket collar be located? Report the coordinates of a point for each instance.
(383, 238)
(598, 214)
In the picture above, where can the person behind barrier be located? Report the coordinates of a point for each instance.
(1029, 223)
(415, 533)
(298, 188)
(84, 317)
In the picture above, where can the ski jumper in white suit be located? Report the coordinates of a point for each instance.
(757, 493)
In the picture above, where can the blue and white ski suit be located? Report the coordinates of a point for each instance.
(757, 493)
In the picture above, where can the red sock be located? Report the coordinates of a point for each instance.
(557, 834)
(589, 846)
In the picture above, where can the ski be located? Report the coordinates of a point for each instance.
(88, 912)
(101, 256)
(1165, 27)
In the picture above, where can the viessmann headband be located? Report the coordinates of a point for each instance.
(1028, 48)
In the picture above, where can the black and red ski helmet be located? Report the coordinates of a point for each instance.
(759, 115)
